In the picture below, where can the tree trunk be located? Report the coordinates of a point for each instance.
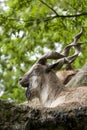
(66, 117)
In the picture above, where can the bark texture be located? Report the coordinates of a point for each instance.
(70, 116)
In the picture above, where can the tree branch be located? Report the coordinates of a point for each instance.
(66, 16)
(61, 16)
(49, 7)
(47, 18)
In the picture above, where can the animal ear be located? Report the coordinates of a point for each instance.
(57, 65)
(67, 60)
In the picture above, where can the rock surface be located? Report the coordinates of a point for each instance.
(22, 117)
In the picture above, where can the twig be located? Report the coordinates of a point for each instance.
(49, 7)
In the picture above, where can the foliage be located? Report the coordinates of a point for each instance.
(29, 28)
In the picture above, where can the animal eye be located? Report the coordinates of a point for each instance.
(32, 74)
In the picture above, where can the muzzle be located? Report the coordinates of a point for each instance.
(24, 83)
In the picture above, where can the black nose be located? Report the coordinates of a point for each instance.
(20, 79)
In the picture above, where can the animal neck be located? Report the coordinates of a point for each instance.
(50, 90)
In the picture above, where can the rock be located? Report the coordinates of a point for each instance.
(22, 117)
